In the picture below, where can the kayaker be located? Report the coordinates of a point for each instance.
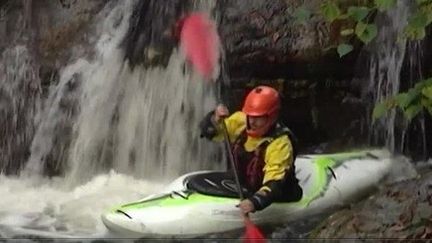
(263, 148)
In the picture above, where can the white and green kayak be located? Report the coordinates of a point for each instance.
(204, 202)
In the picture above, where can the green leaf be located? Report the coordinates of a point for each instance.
(343, 16)
(418, 20)
(413, 94)
(330, 10)
(426, 9)
(302, 15)
(427, 82)
(416, 25)
(420, 85)
(427, 103)
(358, 13)
(402, 100)
(427, 91)
(379, 110)
(346, 32)
(383, 5)
(344, 49)
(366, 32)
(421, 1)
(360, 28)
(415, 33)
(412, 111)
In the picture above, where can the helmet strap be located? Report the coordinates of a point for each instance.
(247, 123)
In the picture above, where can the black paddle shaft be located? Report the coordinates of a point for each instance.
(231, 159)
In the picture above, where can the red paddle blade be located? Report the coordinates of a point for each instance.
(200, 43)
(252, 234)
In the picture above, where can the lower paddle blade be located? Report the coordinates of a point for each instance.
(253, 234)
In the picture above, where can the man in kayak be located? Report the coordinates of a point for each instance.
(263, 148)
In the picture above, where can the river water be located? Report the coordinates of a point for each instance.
(46, 208)
(127, 133)
(33, 207)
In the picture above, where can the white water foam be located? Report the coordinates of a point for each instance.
(46, 207)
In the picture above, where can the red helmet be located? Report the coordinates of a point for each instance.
(262, 101)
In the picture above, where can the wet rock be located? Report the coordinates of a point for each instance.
(399, 211)
(263, 39)
(298, 230)
(149, 40)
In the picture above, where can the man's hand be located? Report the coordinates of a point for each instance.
(221, 111)
(246, 206)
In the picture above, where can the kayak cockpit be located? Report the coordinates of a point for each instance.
(217, 183)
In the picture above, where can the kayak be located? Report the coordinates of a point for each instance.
(204, 202)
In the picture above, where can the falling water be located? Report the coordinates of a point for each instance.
(385, 64)
(19, 104)
(140, 121)
(113, 133)
(414, 132)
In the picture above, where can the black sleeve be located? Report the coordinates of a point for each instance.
(276, 188)
(262, 201)
(208, 130)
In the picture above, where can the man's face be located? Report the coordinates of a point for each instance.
(257, 122)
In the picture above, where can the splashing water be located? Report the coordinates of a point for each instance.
(45, 207)
(113, 133)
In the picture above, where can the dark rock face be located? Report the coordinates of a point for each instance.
(262, 39)
(260, 31)
(149, 40)
(399, 211)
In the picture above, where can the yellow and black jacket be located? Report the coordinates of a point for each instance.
(265, 165)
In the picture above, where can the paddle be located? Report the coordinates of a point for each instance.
(200, 43)
(252, 234)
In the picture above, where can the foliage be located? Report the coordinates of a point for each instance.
(419, 20)
(383, 5)
(411, 102)
(358, 16)
(356, 20)
(343, 49)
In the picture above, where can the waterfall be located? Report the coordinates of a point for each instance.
(413, 135)
(20, 86)
(105, 115)
(19, 103)
(387, 53)
(394, 65)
